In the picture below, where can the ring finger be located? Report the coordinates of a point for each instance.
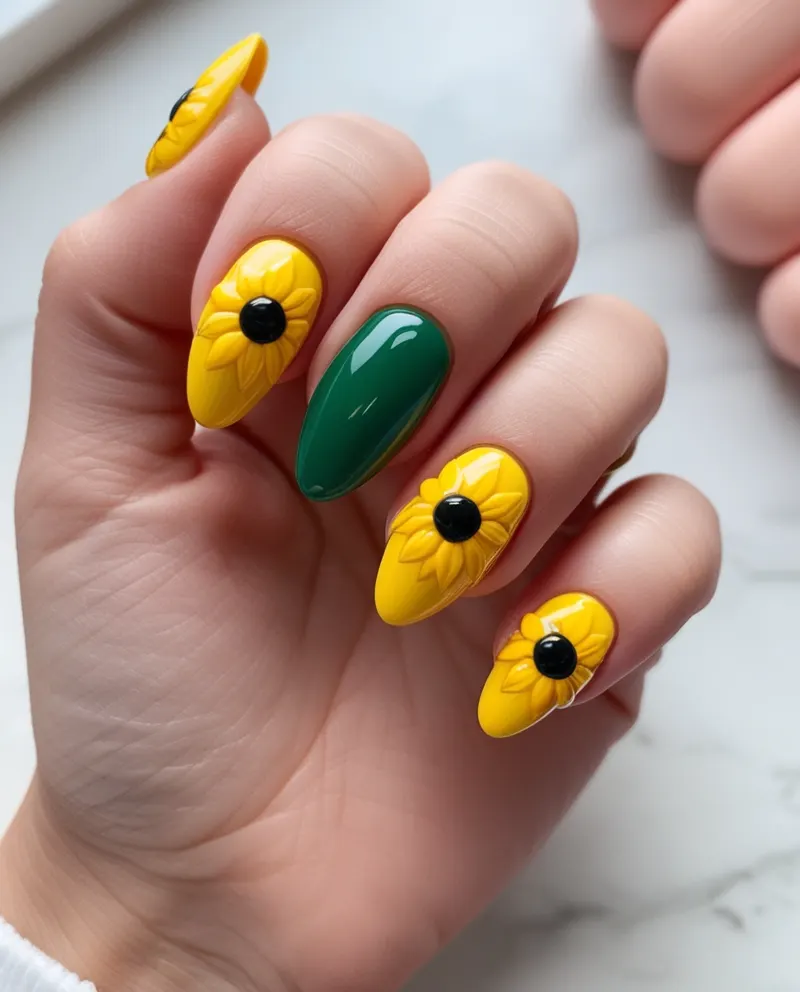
(561, 409)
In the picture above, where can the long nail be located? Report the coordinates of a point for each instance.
(445, 540)
(197, 109)
(370, 400)
(546, 663)
(253, 325)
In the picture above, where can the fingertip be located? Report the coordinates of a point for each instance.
(779, 311)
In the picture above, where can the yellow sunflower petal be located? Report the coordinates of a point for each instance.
(299, 302)
(417, 508)
(250, 366)
(532, 628)
(431, 491)
(592, 650)
(214, 325)
(449, 562)
(480, 474)
(225, 350)
(523, 676)
(565, 693)
(277, 281)
(428, 567)
(250, 276)
(296, 332)
(494, 532)
(412, 524)
(516, 648)
(450, 478)
(501, 506)
(413, 509)
(224, 296)
(580, 677)
(585, 621)
(274, 363)
(543, 698)
(422, 544)
(474, 560)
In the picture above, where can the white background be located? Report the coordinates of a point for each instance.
(679, 870)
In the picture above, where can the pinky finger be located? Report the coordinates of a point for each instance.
(647, 563)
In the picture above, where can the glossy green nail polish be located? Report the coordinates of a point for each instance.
(370, 400)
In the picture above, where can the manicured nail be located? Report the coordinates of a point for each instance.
(546, 663)
(250, 330)
(447, 538)
(370, 400)
(195, 111)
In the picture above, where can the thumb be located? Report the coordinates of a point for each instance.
(114, 327)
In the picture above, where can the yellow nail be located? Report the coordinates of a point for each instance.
(546, 663)
(250, 330)
(243, 65)
(445, 540)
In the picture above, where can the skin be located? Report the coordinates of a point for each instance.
(245, 780)
(717, 86)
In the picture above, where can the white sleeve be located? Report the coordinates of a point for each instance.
(23, 968)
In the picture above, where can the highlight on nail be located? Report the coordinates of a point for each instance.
(370, 400)
(251, 329)
(195, 110)
(544, 665)
(445, 540)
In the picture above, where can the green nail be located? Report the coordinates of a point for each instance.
(370, 400)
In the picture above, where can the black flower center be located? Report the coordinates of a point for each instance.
(262, 320)
(457, 519)
(555, 656)
(179, 103)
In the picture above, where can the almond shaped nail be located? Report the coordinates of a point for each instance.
(196, 110)
(546, 663)
(249, 332)
(370, 400)
(447, 538)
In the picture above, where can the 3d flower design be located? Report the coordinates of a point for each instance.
(250, 330)
(444, 541)
(545, 663)
(192, 114)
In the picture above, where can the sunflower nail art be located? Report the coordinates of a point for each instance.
(445, 540)
(194, 112)
(250, 330)
(546, 663)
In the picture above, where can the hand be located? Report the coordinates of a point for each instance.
(246, 779)
(718, 86)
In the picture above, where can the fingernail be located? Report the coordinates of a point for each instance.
(546, 663)
(447, 538)
(370, 400)
(253, 325)
(197, 109)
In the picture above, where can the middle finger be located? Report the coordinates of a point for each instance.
(461, 276)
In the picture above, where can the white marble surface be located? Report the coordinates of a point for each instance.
(679, 870)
